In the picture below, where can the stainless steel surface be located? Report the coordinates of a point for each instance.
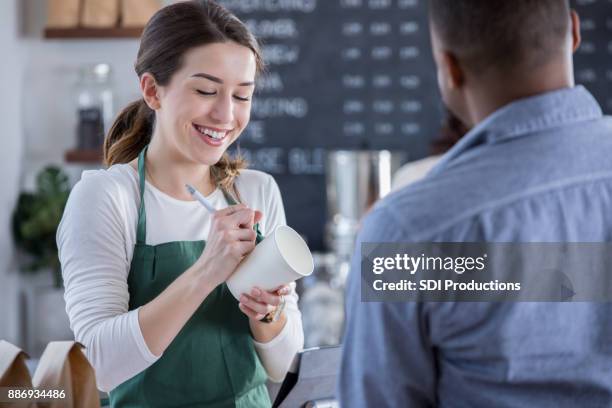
(322, 301)
(355, 180)
(326, 403)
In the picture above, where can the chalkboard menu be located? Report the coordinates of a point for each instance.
(359, 74)
(593, 60)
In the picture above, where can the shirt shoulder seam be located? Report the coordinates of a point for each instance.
(508, 200)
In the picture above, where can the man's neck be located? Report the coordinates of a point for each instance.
(492, 93)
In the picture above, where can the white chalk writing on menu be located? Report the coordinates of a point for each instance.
(334, 79)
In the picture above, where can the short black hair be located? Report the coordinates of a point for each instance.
(501, 33)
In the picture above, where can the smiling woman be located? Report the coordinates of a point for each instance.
(207, 54)
(144, 266)
(207, 103)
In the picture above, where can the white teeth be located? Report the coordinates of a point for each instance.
(211, 133)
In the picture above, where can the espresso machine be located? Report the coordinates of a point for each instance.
(355, 181)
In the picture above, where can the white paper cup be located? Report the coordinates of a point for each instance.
(282, 257)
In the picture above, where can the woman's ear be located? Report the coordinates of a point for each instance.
(149, 89)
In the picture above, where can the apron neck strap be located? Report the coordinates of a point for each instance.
(229, 197)
(141, 230)
(232, 201)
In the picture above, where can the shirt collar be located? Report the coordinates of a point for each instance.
(525, 116)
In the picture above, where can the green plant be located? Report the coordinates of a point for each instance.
(37, 217)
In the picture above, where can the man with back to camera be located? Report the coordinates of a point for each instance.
(536, 167)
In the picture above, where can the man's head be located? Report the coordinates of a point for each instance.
(504, 42)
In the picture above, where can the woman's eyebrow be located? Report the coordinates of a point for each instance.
(219, 80)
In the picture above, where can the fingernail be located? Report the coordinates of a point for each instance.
(256, 292)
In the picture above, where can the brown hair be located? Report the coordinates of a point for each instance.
(170, 33)
(502, 34)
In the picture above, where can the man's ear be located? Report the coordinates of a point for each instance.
(455, 76)
(149, 89)
(576, 39)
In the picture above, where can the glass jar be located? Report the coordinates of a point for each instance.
(94, 106)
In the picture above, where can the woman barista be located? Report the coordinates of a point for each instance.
(145, 293)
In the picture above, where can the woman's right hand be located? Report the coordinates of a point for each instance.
(230, 239)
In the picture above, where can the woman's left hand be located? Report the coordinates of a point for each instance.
(259, 302)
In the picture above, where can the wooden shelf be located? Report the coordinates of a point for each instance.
(100, 33)
(83, 156)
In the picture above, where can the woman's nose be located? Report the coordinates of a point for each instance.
(223, 109)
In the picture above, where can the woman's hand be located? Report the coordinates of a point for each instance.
(231, 237)
(259, 302)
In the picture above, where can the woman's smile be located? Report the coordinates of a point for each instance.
(210, 135)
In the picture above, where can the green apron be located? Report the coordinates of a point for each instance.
(212, 361)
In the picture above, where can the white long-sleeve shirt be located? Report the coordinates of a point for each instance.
(96, 239)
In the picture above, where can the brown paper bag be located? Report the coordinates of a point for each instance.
(13, 371)
(136, 13)
(63, 13)
(63, 366)
(100, 13)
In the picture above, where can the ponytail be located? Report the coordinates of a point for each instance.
(130, 133)
(225, 171)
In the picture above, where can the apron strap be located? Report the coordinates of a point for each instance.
(228, 197)
(141, 230)
(232, 201)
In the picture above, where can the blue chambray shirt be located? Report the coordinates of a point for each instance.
(536, 170)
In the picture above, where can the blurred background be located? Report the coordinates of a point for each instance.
(350, 96)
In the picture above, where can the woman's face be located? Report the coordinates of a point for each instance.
(207, 103)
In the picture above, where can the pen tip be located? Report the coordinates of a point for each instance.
(190, 189)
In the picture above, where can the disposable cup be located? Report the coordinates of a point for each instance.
(282, 257)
